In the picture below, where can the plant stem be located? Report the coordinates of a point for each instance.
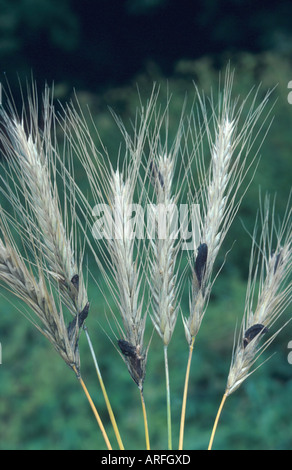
(184, 403)
(216, 420)
(108, 405)
(95, 412)
(168, 399)
(145, 420)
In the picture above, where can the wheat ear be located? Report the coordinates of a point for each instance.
(115, 249)
(20, 280)
(32, 154)
(33, 160)
(162, 261)
(270, 269)
(231, 142)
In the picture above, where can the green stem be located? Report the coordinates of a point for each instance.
(168, 399)
(184, 403)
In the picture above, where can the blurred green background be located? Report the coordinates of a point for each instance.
(105, 50)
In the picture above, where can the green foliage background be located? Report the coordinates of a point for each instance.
(41, 403)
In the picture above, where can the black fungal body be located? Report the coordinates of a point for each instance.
(75, 281)
(83, 315)
(201, 262)
(127, 348)
(81, 319)
(161, 180)
(277, 262)
(252, 332)
(156, 174)
(134, 360)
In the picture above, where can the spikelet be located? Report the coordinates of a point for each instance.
(116, 250)
(271, 266)
(32, 155)
(19, 278)
(230, 145)
(162, 276)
